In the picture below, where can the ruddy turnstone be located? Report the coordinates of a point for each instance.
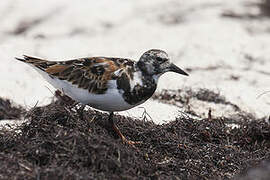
(107, 83)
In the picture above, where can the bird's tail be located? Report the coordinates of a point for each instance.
(30, 59)
(36, 62)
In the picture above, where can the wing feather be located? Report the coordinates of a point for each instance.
(91, 73)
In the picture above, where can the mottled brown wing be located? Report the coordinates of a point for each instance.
(92, 73)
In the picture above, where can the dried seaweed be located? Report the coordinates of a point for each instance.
(8, 110)
(58, 143)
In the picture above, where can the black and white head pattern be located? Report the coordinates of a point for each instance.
(154, 62)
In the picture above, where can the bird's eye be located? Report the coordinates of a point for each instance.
(160, 59)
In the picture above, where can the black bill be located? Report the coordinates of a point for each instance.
(176, 69)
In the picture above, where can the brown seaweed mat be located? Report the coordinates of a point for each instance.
(57, 143)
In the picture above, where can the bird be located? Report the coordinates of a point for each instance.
(107, 83)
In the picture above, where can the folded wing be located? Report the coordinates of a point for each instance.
(91, 73)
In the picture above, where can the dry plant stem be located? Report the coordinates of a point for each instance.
(80, 110)
(210, 114)
(64, 98)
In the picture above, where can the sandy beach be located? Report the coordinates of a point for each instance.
(223, 45)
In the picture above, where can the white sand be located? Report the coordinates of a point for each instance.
(199, 39)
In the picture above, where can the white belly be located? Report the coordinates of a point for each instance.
(111, 100)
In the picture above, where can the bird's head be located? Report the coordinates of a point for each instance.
(156, 62)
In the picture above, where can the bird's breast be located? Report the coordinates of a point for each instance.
(136, 90)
